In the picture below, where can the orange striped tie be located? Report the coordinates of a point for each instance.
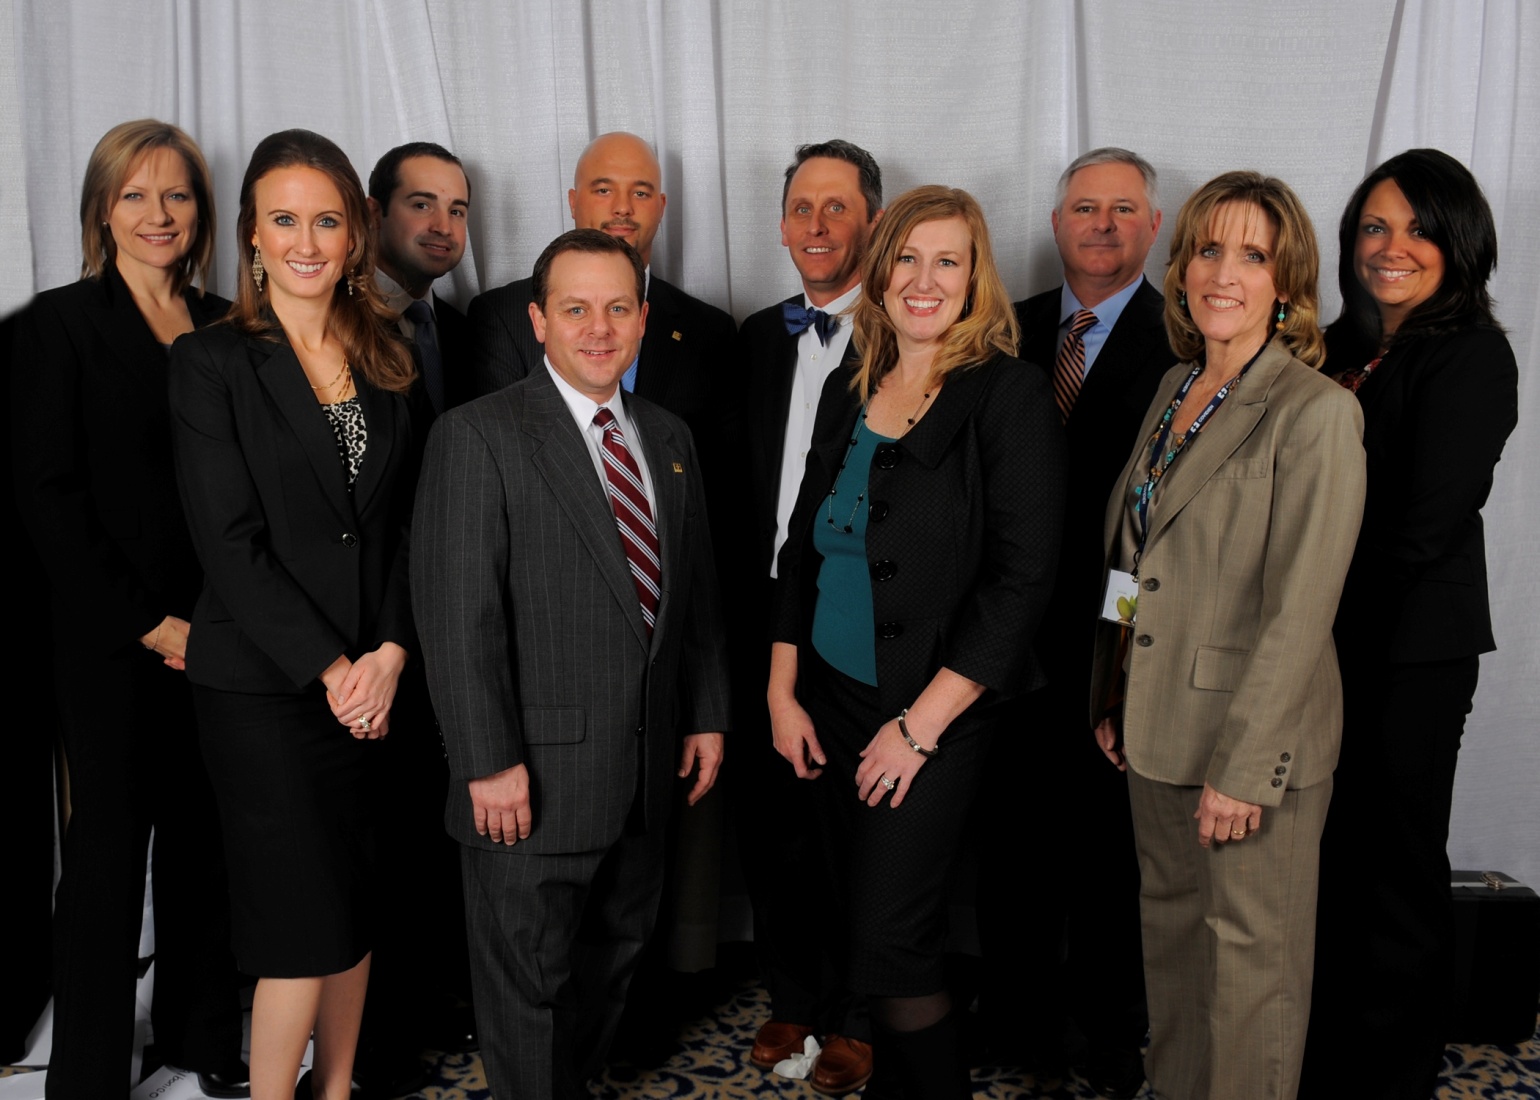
(1069, 365)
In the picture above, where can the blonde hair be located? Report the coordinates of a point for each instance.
(1296, 261)
(359, 317)
(113, 159)
(987, 324)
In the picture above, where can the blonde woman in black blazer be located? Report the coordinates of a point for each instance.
(1418, 343)
(911, 585)
(293, 450)
(91, 439)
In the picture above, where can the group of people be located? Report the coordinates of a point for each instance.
(974, 578)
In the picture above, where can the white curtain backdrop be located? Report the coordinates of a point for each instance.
(992, 96)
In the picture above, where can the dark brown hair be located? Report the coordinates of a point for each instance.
(584, 240)
(359, 318)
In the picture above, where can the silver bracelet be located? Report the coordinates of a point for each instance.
(903, 728)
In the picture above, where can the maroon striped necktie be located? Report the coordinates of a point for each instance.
(633, 516)
(1069, 364)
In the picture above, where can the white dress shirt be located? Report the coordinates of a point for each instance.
(814, 362)
(582, 407)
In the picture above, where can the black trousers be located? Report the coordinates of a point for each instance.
(1385, 934)
(1054, 815)
(134, 765)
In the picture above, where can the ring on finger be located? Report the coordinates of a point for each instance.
(364, 723)
(1236, 834)
(886, 782)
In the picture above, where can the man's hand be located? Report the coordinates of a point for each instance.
(1222, 819)
(501, 804)
(705, 749)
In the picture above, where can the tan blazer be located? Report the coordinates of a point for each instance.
(1232, 677)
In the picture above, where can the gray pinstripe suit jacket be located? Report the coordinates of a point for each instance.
(534, 643)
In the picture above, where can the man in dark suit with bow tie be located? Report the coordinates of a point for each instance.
(1101, 338)
(570, 628)
(830, 203)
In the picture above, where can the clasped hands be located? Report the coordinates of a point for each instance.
(360, 693)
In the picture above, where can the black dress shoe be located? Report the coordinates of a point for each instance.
(1115, 1074)
(229, 1083)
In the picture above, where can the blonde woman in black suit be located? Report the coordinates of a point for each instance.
(294, 455)
(92, 448)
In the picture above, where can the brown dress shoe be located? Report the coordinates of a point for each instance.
(777, 1041)
(843, 1065)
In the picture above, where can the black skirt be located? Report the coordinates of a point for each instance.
(893, 867)
(298, 836)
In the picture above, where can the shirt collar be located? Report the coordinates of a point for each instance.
(1107, 311)
(584, 407)
(838, 306)
(396, 296)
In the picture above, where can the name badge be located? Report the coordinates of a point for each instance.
(1120, 601)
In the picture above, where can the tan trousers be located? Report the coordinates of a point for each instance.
(1229, 944)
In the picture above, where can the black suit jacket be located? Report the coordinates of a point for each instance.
(532, 633)
(91, 439)
(1437, 412)
(1100, 433)
(767, 358)
(299, 568)
(963, 532)
(454, 345)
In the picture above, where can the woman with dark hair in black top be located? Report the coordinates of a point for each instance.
(1418, 343)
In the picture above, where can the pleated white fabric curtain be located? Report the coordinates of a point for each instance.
(992, 96)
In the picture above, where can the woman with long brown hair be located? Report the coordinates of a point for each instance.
(294, 456)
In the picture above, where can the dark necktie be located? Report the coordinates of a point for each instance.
(423, 334)
(799, 320)
(633, 516)
(1069, 364)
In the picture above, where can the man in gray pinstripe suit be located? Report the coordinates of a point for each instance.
(558, 699)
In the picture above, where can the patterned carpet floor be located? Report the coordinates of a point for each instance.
(710, 1062)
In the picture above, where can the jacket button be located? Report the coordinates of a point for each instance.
(890, 630)
(884, 570)
(886, 456)
(1145, 640)
(1277, 782)
(1285, 757)
(879, 511)
(1280, 770)
(1151, 584)
(349, 539)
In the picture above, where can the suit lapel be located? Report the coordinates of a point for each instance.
(380, 422)
(564, 461)
(1219, 439)
(278, 370)
(123, 328)
(783, 367)
(1119, 358)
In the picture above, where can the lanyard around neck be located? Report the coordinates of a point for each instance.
(1163, 457)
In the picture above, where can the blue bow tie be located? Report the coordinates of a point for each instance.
(799, 320)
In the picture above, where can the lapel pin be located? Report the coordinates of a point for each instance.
(678, 335)
(678, 468)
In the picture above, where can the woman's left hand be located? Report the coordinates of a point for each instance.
(1223, 819)
(363, 704)
(887, 757)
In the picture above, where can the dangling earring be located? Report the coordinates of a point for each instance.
(1282, 315)
(1181, 298)
(257, 270)
(349, 281)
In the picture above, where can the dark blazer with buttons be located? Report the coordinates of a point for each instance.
(963, 531)
(298, 569)
(91, 445)
(1437, 411)
(1101, 428)
(1232, 677)
(532, 634)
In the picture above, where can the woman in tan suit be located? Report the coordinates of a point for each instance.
(1229, 538)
